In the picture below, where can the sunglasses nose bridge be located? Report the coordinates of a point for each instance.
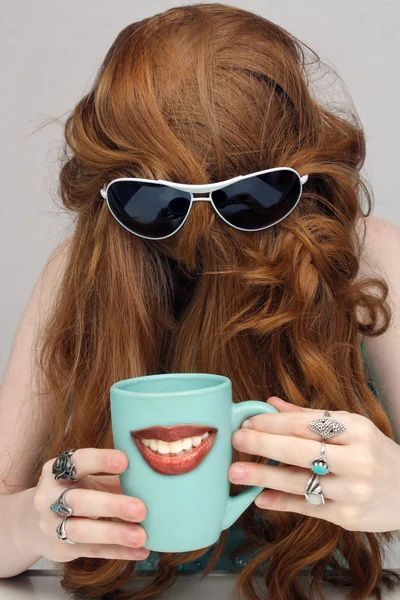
(202, 198)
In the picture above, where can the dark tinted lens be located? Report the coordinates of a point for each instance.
(149, 209)
(260, 201)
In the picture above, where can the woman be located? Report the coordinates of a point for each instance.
(275, 290)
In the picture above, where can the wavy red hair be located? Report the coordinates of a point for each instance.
(198, 94)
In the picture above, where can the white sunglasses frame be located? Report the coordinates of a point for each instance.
(205, 187)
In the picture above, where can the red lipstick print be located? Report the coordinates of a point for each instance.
(174, 465)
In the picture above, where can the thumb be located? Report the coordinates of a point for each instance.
(284, 406)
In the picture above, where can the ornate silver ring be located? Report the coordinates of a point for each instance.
(327, 426)
(63, 467)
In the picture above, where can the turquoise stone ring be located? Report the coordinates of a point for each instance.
(319, 467)
(60, 506)
(319, 464)
(61, 510)
(314, 494)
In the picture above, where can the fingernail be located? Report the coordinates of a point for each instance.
(237, 472)
(133, 536)
(138, 553)
(116, 460)
(132, 509)
(278, 398)
(246, 424)
(261, 502)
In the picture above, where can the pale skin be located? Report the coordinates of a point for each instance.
(91, 497)
(362, 489)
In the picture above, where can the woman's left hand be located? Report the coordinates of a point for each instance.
(362, 488)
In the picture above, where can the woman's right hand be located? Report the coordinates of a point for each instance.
(89, 499)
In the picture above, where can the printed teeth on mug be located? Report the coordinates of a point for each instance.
(178, 447)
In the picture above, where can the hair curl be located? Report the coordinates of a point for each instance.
(198, 94)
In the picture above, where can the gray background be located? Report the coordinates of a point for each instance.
(51, 50)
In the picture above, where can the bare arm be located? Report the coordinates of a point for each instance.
(382, 257)
(27, 526)
(14, 509)
(22, 427)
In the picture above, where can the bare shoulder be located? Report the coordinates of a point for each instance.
(23, 421)
(381, 246)
(380, 255)
(57, 260)
(377, 227)
(49, 280)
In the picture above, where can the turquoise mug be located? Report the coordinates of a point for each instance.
(176, 431)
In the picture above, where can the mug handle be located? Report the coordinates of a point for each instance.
(237, 504)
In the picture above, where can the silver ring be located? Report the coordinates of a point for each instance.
(319, 464)
(60, 530)
(60, 507)
(63, 467)
(314, 493)
(327, 426)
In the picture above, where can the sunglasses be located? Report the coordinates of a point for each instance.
(156, 209)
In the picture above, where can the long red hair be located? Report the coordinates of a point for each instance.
(198, 94)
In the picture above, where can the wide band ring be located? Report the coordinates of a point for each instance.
(60, 507)
(63, 467)
(314, 494)
(60, 530)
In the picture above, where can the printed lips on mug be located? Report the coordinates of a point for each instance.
(174, 450)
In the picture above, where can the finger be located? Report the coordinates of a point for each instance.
(286, 479)
(90, 531)
(94, 503)
(112, 551)
(297, 424)
(89, 461)
(284, 405)
(106, 483)
(274, 500)
(290, 450)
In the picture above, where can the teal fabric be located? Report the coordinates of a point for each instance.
(234, 539)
